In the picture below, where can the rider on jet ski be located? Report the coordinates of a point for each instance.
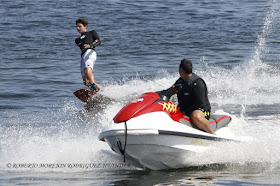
(192, 96)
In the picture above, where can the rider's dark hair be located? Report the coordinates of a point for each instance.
(186, 65)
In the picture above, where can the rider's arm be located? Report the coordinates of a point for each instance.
(199, 91)
(169, 92)
(166, 94)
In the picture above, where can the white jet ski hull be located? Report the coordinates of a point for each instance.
(156, 141)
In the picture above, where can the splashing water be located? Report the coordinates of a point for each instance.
(254, 86)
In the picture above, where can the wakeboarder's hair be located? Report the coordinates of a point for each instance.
(84, 21)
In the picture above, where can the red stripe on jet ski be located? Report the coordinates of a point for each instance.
(221, 118)
(188, 119)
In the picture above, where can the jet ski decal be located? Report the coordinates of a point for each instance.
(170, 107)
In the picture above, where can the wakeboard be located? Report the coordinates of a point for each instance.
(84, 95)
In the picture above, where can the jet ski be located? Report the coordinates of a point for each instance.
(153, 132)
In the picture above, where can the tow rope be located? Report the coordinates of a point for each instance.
(119, 143)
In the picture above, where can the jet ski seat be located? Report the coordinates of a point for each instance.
(216, 121)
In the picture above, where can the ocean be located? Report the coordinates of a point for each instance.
(49, 137)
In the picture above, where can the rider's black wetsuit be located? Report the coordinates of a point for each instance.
(192, 95)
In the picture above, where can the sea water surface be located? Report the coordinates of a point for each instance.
(47, 136)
